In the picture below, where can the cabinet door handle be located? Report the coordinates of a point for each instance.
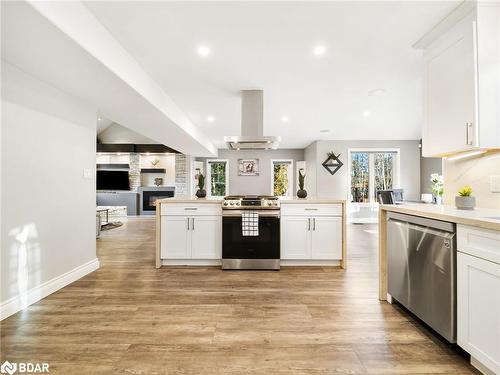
(311, 209)
(308, 224)
(187, 223)
(190, 209)
(468, 134)
(314, 223)
(192, 225)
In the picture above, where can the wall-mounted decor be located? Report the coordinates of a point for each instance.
(248, 167)
(332, 163)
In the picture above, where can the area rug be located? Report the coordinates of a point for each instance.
(113, 225)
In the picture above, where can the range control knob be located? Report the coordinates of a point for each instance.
(225, 203)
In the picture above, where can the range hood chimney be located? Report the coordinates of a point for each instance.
(252, 125)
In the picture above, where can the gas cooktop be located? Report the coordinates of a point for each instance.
(251, 202)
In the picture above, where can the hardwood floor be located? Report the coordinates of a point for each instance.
(130, 318)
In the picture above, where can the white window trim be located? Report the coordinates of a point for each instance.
(289, 192)
(208, 178)
(397, 172)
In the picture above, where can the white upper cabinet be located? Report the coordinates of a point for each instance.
(462, 81)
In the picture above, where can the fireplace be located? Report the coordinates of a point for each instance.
(149, 196)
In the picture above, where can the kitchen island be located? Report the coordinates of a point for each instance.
(311, 231)
(443, 264)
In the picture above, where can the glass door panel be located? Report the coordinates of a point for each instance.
(360, 177)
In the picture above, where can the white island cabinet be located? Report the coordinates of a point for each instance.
(312, 232)
(461, 81)
(478, 296)
(190, 233)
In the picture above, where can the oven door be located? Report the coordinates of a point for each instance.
(264, 246)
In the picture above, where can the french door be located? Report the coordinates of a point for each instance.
(371, 171)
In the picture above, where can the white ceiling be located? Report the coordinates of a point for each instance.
(269, 46)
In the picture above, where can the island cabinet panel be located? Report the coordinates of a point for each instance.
(191, 232)
(206, 238)
(176, 237)
(314, 237)
(326, 238)
(478, 309)
(295, 237)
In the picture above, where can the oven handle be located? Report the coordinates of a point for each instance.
(238, 213)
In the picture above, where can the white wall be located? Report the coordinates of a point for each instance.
(116, 133)
(261, 184)
(328, 186)
(48, 207)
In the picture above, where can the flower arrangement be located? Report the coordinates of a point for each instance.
(437, 184)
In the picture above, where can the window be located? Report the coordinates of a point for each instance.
(282, 181)
(371, 171)
(217, 178)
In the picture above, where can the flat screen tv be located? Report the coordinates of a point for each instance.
(112, 180)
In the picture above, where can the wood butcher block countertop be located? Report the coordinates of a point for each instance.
(191, 200)
(311, 201)
(480, 217)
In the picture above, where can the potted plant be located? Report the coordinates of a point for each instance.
(437, 187)
(201, 193)
(301, 193)
(464, 200)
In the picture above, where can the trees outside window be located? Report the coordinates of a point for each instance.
(217, 178)
(282, 178)
(372, 171)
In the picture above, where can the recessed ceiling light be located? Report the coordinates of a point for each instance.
(99, 119)
(284, 118)
(376, 92)
(203, 51)
(324, 131)
(366, 113)
(210, 118)
(319, 50)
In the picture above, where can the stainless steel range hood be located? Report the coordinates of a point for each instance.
(252, 125)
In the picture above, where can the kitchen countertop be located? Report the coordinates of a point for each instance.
(309, 200)
(219, 200)
(480, 217)
(190, 200)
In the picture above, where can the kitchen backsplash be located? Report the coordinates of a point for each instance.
(476, 173)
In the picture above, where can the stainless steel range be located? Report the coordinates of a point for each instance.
(241, 251)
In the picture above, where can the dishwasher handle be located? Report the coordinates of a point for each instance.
(422, 222)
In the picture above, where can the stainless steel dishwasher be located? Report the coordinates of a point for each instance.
(421, 269)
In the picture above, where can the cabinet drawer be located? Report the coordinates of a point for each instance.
(481, 243)
(318, 209)
(191, 209)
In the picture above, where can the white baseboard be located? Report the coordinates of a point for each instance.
(35, 294)
(482, 368)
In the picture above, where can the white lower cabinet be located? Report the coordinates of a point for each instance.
(478, 296)
(478, 309)
(326, 238)
(317, 238)
(191, 237)
(206, 237)
(295, 237)
(175, 238)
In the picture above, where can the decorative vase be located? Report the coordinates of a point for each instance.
(439, 200)
(301, 193)
(465, 203)
(201, 193)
